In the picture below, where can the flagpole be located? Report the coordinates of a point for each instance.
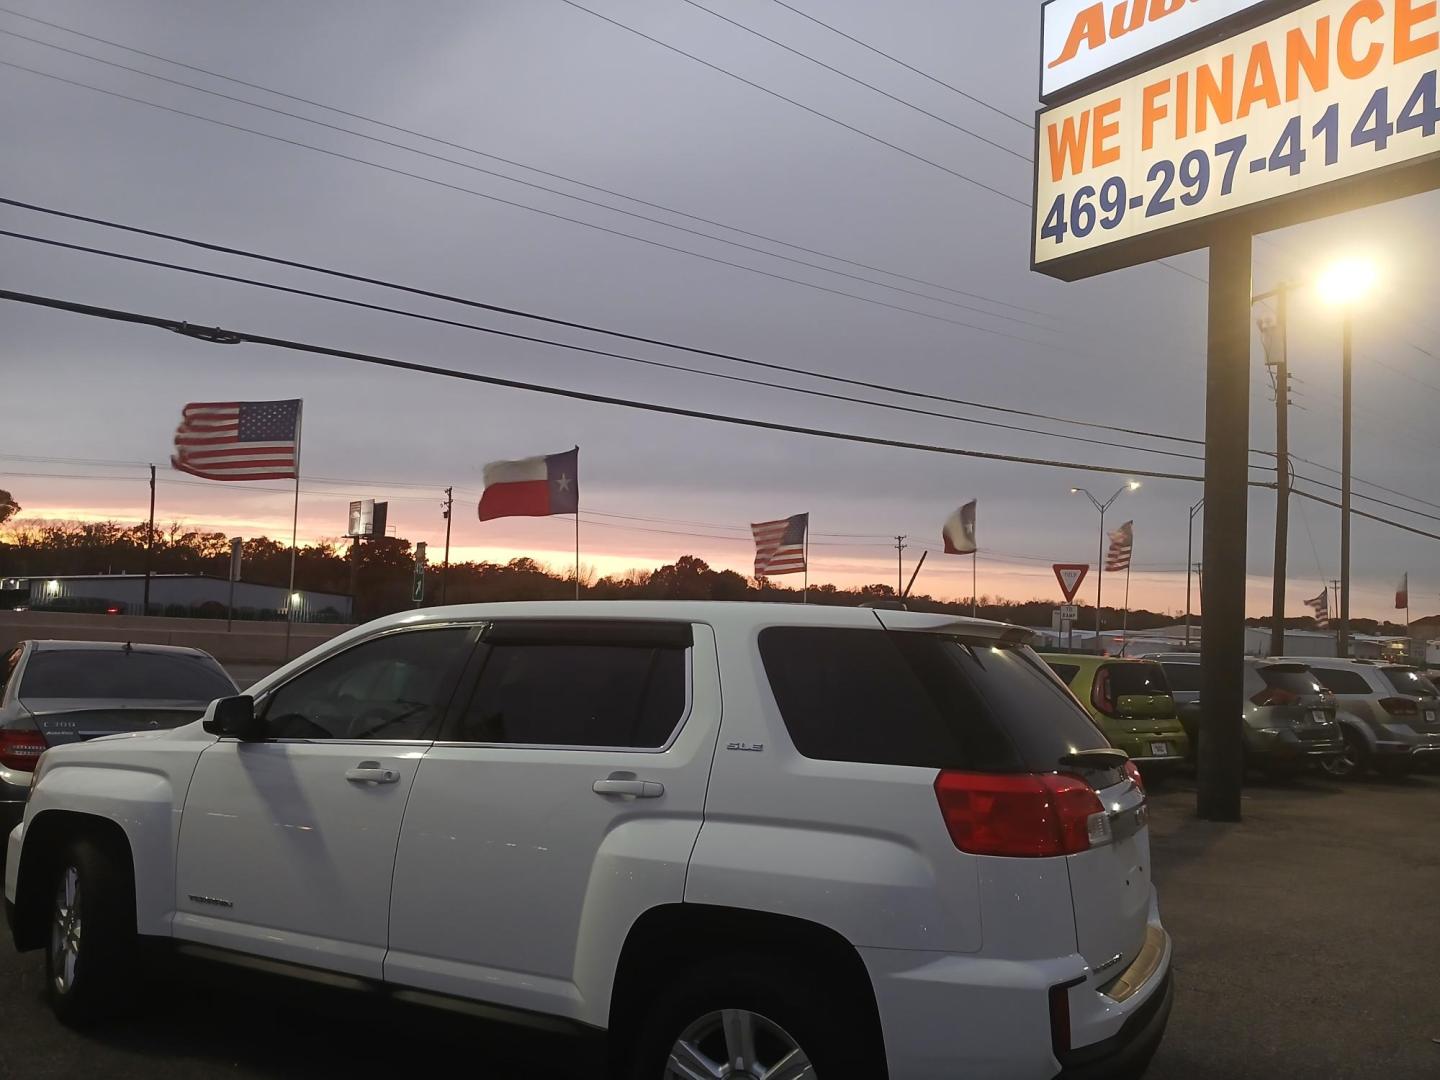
(974, 585)
(1125, 618)
(294, 535)
(805, 596)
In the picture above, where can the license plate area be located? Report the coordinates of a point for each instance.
(1159, 749)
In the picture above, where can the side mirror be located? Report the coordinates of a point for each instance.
(234, 718)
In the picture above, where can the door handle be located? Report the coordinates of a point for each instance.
(637, 789)
(371, 772)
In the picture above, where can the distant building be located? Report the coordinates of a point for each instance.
(192, 595)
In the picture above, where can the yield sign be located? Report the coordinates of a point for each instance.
(1070, 575)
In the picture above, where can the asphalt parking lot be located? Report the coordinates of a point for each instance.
(1306, 944)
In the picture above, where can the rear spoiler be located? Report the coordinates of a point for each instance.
(974, 629)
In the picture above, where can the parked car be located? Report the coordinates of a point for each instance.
(730, 839)
(57, 692)
(1130, 700)
(1389, 715)
(1289, 716)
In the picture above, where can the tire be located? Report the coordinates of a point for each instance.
(1353, 763)
(767, 1010)
(90, 941)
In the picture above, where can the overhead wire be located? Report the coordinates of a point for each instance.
(607, 332)
(524, 206)
(228, 337)
(531, 184)
(806, 391)
(211, 73)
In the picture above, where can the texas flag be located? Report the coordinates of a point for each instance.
(532, 487)
(1402, 593)
(959, 531)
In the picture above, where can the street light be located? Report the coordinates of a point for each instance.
(1344, 284)
(1133, 485)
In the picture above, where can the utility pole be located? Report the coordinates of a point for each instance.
(1273, 334)
(149, 545)
(445, 566)
(1222, 586)
(899, 565)
(1190, 565)
(1342, 643)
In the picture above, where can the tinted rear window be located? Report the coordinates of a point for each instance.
(1293, 677)
(1138, 677)
(1067, 672)
(113, 673)
(897, 698)
(1183, 678)
(1409, 681)
(1340, 681)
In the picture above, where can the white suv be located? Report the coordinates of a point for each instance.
(733, 840)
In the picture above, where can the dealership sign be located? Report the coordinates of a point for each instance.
(1083, 38)
(1322, 95)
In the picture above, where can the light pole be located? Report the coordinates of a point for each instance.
(1342, 285)
(1133, 485)
(1190, 565)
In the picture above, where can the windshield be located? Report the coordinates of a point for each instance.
(1137, 677)
(121, 675)
(1409, 681)
(1184, 678)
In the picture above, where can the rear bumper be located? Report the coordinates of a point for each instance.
(1126, 1054)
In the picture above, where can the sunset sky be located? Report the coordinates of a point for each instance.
(89, 403)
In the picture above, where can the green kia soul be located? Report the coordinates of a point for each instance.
(1130, 700)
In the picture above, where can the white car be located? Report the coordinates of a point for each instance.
(732, 840)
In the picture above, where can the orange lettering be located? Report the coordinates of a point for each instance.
(1260, 84)
(1215, 97)
(1067, 145)
(1160, 8)
(1107, 128)
(1182, 105)
(1408, 15)
(1313, 57)
(1152, 112)
(1352, 66)
(1089, 30)
(1118, 28)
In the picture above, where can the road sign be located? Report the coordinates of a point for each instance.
(1069, 613)
(237, 548)
(1070, 575)
(1290, 120)
(418, 593)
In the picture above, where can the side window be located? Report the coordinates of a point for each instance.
(1340, 681)
(391, 687)
(539, 692)
(1066, 672)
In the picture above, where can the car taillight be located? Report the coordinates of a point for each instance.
(1400, 706)
(21, 749)
(1133, 772)
(1276, 695)
(1027, 815)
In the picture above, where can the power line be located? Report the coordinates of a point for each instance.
(523, 206)
(858, 81)
(496, 157)
(908, 67)
(590, 328)
(1369, 483)
(1367, 498)
(812, 111)
(527, 183)
(807, 391)
(215, 334)
(1367, 515)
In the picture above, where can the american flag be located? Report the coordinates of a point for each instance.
(1122, 543)
(239, 440)
(1321, 606)
(780, 545)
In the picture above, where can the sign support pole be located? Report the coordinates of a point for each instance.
(1222, 583)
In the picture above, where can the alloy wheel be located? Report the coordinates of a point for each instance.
(735, 1044)
(65, 928)
(1346, 765)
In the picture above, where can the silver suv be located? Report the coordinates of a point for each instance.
(1290, 718)
(1388, 713)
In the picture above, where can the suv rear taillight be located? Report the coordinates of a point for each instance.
(20, 748)
(1025, 815)
(1400, 706)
